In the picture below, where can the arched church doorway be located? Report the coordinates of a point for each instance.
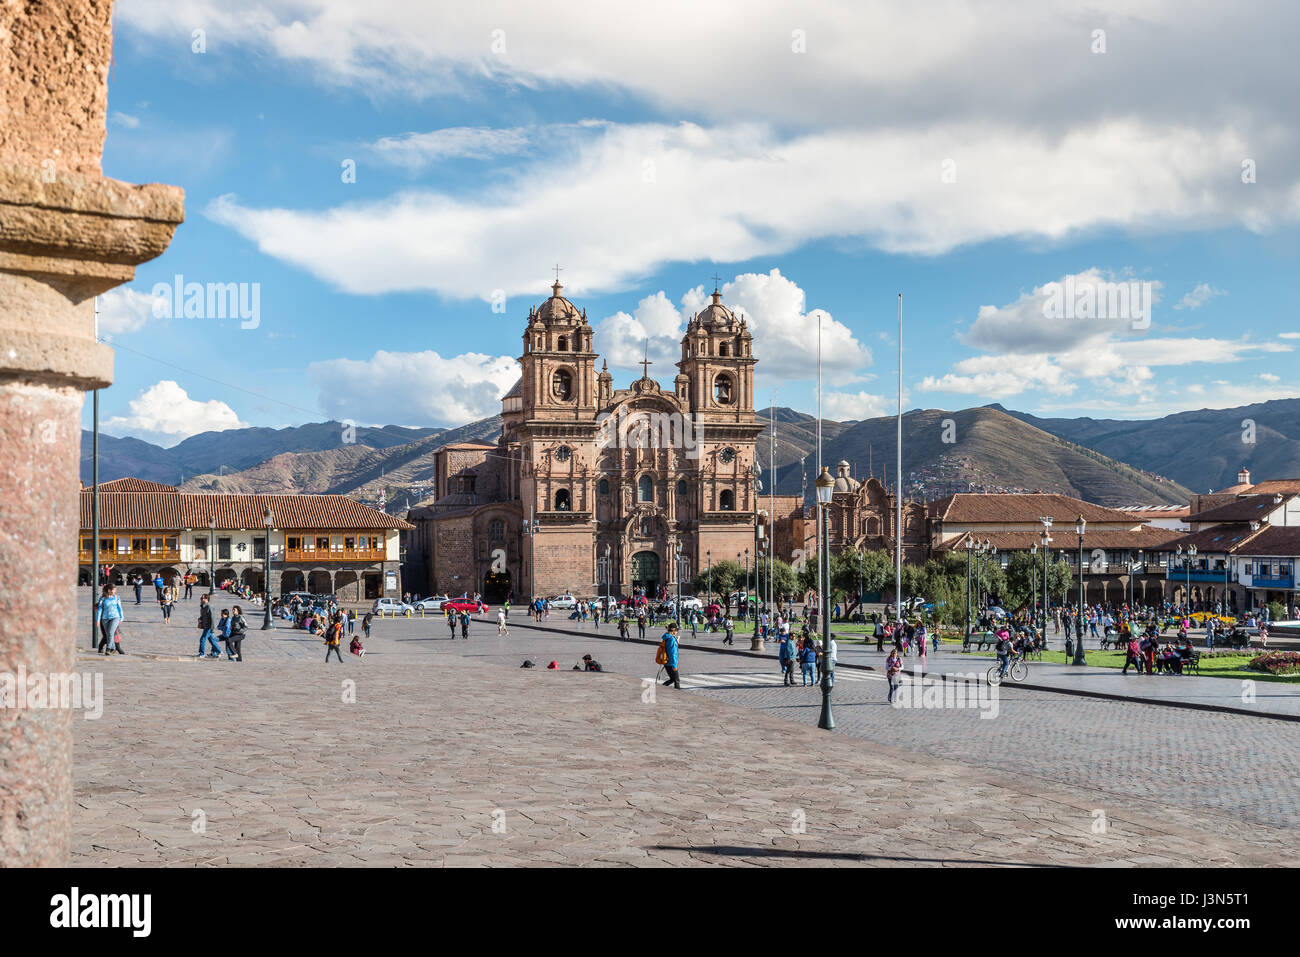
(496, 587)
(645, 572)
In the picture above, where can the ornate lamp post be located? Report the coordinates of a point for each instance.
(1045, 540)
(1079, 526)
(268, 520)
(530, 527)
(744, 615)
(677, 574)
(708, 557)
(609, 577)
(1191, 557)
(212, 553)
(1033, 604)
(825, 488)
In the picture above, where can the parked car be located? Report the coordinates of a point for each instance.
(391, 606)
(465, 604)
(432, 603)
(687, 603)
(563, 601)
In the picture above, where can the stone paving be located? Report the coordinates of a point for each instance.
(265, 762)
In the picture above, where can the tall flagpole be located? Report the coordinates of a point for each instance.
(820, 610)
(771, 508)
(898, 478)
(94, 504)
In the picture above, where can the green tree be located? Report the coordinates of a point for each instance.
(1060, 576)
(726, 576)
(1021, 577)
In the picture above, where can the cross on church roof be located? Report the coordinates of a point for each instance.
(645, 362)
(716, 279)
(557, 272)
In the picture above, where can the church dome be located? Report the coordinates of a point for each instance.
(558, 309)
(843, 481)
(716, 315)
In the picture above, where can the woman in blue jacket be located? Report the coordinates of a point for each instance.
(808, 661)
(108, 615)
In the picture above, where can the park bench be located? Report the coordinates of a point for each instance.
(1192, 664)
(979, 639)
(1112, 639)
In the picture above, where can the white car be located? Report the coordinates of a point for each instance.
(687, 603)
(391, 606)
(563, 601)
(433, 603)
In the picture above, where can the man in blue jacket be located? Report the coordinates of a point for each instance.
(670, 648)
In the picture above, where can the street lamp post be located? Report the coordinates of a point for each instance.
(531, 525)
(268, 519)
(212, 553)
(677, 574)
(1191, 557)
(860, 612)
(970, 550)
(708, 557)
(825, 488)
(745, 595)
(1045, 540)
(1079, 526)
(1033, 604)
(609, 577)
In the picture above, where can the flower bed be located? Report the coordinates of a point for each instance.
(1277, 663)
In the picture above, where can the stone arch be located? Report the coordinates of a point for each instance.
(226, 574)
(252, 577)
(170, 576)
(319, 582)
(727, 500)
(563, 500)
(292, 579)
(372, 584)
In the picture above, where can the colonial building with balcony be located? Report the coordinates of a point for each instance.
(325, 544)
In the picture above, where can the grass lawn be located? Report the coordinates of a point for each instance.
(1229, 666)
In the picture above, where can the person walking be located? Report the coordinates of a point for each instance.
(168, 601)
(622, 628)
(464, 625)
(893, 667)
(205, 630)
(640, 623)
(1134, 654)
(787, 654)
(223, 632)
(729, 632)
(158, 584)
(451, 622)
(333, 637)
(365, 624)
(808, 661)
(238, 629)
(669, 645)
(108, 615)
(137, 583)
(501, 623)
(189, 585)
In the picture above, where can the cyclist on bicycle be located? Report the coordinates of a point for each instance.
(1003, 649)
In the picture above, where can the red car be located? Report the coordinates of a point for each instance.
(466, 604)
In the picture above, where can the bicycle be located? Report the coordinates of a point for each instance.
(1016, 668)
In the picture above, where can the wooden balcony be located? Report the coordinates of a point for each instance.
(308, 555)
(144, 557)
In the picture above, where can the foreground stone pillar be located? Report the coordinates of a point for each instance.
(67, 234)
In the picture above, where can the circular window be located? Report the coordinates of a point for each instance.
(722, 390)
(727, 456)
(563, 453)
(562, 384)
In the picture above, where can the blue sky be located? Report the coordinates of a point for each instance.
(820, 159)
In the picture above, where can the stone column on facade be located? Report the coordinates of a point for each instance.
(67, 234)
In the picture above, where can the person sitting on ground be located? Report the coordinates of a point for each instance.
(591, 664)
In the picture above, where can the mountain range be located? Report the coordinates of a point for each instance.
(989, 448)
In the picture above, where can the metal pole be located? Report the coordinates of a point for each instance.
(1078, 647)
(532, 554)
(826, 721)
(266, 583)
(94, 507)
(969, 552)
(898, 476)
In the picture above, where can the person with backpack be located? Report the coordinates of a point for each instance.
(893, 667)
(622, 628)
(223, 633)
(334, 637)
(464, 625)
(668, 656)
(238, 629)
(787, 655)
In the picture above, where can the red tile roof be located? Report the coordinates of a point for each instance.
(987, 507)
(133, 485)
(1275, 541)
(1247, 508)
(161, 511)
(1273, 486)
(1154, 539)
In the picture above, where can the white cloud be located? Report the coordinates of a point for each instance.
(1288, 335)
(1199, 296)
(773, 307)
(125, 310)
(423, 387)
(125, 120)
(1270, 377)
(857, 405)
(416, 150)
(622, 203)
(164, 413)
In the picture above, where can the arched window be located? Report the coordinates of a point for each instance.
(727, 500)
(681, 487)
(603, 487)
(561, 384)
(722, 392)
(563, 344)
(497, 530)
(563, 503)
(645, 489)
(722, 348)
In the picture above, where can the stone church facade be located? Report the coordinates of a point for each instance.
(657, 482)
